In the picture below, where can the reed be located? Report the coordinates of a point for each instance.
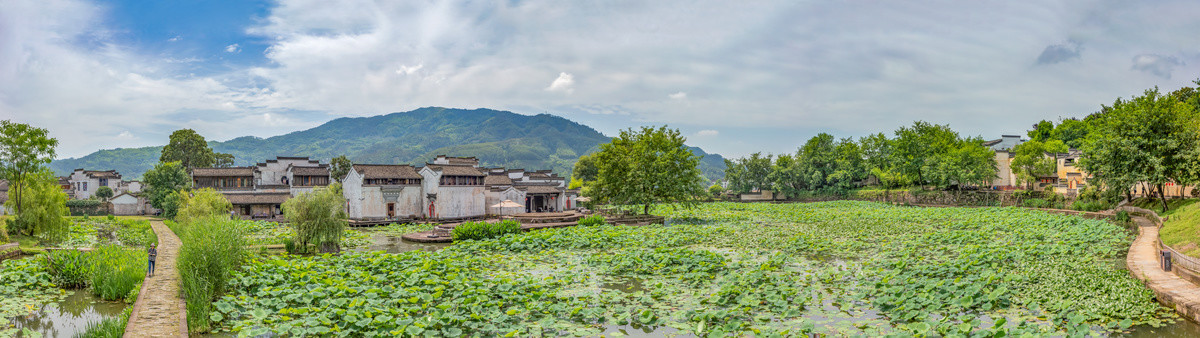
(116, 271)
(108, 328)
(69, 269)
(212, 249)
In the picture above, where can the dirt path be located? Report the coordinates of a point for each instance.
(159, 311)
(1143, 263)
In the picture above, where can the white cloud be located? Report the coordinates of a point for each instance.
(708, 132)
(564, 83)
(234, 48)
(125, 135)
(409, 70)
(175, 38)
(678, 96)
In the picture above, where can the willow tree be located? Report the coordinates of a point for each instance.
(318, 218)
(200, 204)
(42, 207)
(646, 167)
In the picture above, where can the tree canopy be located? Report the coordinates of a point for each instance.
(165, 180)
(104, 192)
(318, 218)
(339, 167)
(190, 149)
(42, 208)
(202, 203)
(24, 151)
(646, 167)
(1035, 158)
(749, 173)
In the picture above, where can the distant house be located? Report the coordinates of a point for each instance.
(1005, 178)
(127, 203)
(259, 191)
(85, 183)
(450, 188)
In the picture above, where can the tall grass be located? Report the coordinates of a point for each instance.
(69, 269)
(109, 328)
(116, 271)
(212, 249)
(485, 230)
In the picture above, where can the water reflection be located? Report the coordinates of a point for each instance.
(1182, 328)
(71, 316)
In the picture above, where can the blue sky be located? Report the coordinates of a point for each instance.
(736, 77)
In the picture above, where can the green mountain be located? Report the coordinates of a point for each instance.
(497, 138)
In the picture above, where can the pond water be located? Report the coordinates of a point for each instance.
(1182, 328)
(392, 243)
(71, 316)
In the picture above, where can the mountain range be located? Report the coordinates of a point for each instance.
(497, 138)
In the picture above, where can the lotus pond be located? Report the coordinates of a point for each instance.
(842, 268)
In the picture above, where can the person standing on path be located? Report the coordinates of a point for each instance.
(151, 253)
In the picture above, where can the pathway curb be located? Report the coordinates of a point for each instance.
(1169, 289)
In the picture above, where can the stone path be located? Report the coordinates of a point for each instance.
(1143, 263)
(159, 310)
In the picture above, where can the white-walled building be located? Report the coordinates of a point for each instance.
(259, 191)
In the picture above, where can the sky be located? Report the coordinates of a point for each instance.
(736, 77)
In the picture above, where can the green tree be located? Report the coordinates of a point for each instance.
(104, 193)
(190, 149)
(915, 148)
(818, 158)
(849, 167)
(647, 167)
(166, 179)
(339, 167)
(715, 190)
(42, 207)
(1152, 138)
(1042, 131)
(318, 218)
(749, 173)
(202, 203)
(222, 160)
(1033, 159)
(787, 176)
(1071, 132)
(585, 168)
(967, 163)
(24, 151)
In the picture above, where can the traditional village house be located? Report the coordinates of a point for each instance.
(85, 183)
(383, 192)
(1005, 178)
(454, 188)
(499, 189)
(544, 191)
(259, 191)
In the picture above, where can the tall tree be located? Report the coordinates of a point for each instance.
(339, 167)
(818, 158)
(967, 163)
(222, 160)
(749, 173)
(24, 150)
(190, 149)
(318, 218)
(1153, 138)
(42, 207)
(914, 148)
(1071, 132)
(787, 175)
(164, 181)
(646, 167)
(849, 168)
(1042, 131)
(585, 168)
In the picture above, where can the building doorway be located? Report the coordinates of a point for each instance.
(391, 210)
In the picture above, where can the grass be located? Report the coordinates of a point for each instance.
(70, 269)
(1182, 230)
(116, 271)
(109, 328)
(1173, 205)
(212, 248)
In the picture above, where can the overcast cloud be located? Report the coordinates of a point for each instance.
(739, 77)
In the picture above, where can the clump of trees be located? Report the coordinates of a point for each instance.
(318, 218)
(643, 167)
(921, 154)
(163, 185)
(192, 151)
(34, 197)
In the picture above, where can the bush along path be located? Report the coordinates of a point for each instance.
(1144, 263)
(159, 311)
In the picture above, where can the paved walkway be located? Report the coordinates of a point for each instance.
(159, 311)
(1143, 263)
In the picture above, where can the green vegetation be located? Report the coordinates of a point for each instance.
(202, 203)
(116, 270)
(484, 230)
(108, 328)
(88, 207)
(497, 138)
(212, 249)
(647, 167)
(104, 193)
(163, 184)
(68, 268)
(24, 287)
(39, 212)
(319, 218)
(338, 167)
(722, 269)
(593, 220)
(1174, 205)
(189, 149)
(1181, 231)
(920, 155)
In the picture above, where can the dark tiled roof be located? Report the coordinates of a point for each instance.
(541, 189)
(223, 172)
(456, 170)
(386, 171)
(102, 174)
(310, 171)
(258, 198)
(497, 180)
(992, 142)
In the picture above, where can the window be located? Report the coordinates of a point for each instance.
(461, 180)
(103, 182)
(391, 181)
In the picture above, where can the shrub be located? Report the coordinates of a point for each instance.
(212, 249)
(318, 218)
(70, 269)
(104, 193)
(485, 230)
(1122, 216)
(592, 220)
(201, 204)
(108, 328)
(133, 294)
(1035, 203)
(1091, 206)
(116, 271)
